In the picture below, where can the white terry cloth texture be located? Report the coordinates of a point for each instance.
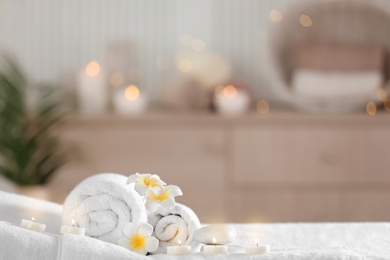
(20, 244)
(14, 208)
(171, 226)
(103, 204)
(17, 243)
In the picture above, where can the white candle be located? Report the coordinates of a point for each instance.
(92, 90)
(32, 225)
(129, 101)
(179, 250)
(72, 229)
(230, 101)
(215, 249)
(257, 249)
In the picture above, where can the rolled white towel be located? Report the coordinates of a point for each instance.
(171, 226)
(103, 204)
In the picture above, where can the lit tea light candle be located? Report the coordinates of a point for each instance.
(179, 249)
(32, 225)
(215, 249)
(257, 249)
(130, 101)
(231, 101)
(72, 229)
(92, 91)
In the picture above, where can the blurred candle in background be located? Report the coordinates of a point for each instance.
(92, 90)
(231, 101)
(129, 101)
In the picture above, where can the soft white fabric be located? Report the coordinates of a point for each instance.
(290, 254)
(17, 243)
(369, 239)
(103, 204)
(171, 226)
(14, 207)
(320, 84)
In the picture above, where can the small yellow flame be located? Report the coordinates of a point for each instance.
(305, 20)
(371, 108)
(179, 242)
(73, 222)
(132, 92)
(214, 241)
(92, 69)
(229, 91)
(33, 219)
(262, 107)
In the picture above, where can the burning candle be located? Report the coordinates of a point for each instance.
(129, 101)
(32, 225)
(215, 249)
(72, 229)
(92, 91)
(179, 249)
(257, 249)
(231, 101)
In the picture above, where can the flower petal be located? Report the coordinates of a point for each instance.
(151, 205)
(145, 229)
(157, 179)
(169, 203)
(141, 189)
(124, 242)
(132, 178)
(140, 251)
(129, 229)
(151, 244)
(174, 190)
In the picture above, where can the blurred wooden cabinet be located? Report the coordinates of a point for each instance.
(280, 167)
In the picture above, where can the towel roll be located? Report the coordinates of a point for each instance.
(103, 204)
(171, 226)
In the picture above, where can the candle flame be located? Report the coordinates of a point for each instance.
(229, 91)
(132, 92)
(93, 68)
(73, 222)
(214, 241)
(33, 219)
(257, 242)
(179, 242)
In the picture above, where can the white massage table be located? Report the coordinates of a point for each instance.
(367, 240)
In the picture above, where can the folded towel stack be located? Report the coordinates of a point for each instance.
(173, 225)
(103, 204)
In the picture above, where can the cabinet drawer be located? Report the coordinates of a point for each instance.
(311, 155)
(284, 206)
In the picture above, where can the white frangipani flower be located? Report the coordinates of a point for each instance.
(144, 182)
(137, 238)
(163, 195)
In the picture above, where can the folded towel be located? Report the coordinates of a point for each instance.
(174, 225)
(14, 207)
(103, 204)
(17, 243)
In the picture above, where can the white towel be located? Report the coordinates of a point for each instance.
(171, 226)
(103, 204)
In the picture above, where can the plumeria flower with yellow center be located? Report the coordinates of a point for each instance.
(138, 238)
(163, 195)
(144, 182)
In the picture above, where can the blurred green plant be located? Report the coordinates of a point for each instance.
(30, 150)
